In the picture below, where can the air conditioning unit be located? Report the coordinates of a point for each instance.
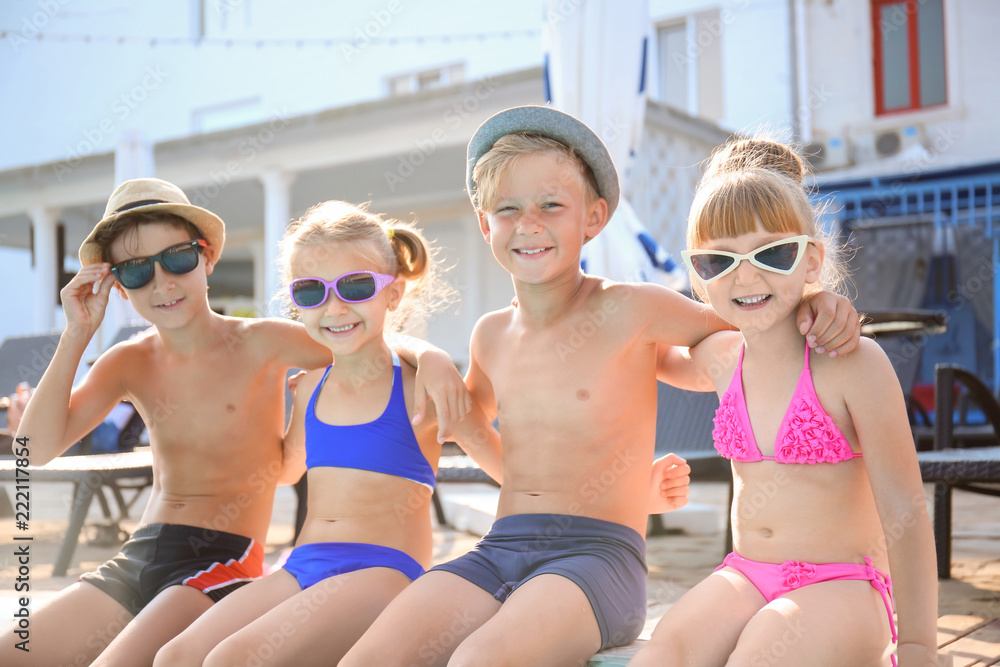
(885, 143)
(830, 153)
(896, 140)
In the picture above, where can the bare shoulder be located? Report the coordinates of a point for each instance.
(491, 326)
(265, 332)
(866, 370)
(641, 294)
(623, 294)
(721, 343)
(279, 339)
(658, 306)
(133, 351)
(867, 357)
(718, 354)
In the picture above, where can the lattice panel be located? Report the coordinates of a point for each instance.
(662, 181)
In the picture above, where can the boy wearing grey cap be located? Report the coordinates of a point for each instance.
(569, 370)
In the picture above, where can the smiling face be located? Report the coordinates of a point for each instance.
(342, 326)
(755, 299)
(541, 217)
(168, 300)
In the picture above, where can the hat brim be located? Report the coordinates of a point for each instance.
(554, 124)
(209, 224)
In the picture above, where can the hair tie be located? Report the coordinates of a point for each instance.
(391, 233)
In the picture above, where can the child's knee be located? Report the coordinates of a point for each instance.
(473, 653)
(177, 652)
(359, 656)
(241, 649)
(669, 646)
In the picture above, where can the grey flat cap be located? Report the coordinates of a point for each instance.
(554, 124)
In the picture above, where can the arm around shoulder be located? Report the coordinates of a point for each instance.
(437, 381)
(293, 449)
(665, 316)
(288, 341)
(475, 434)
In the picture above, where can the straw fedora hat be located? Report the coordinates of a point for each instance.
(149, 195)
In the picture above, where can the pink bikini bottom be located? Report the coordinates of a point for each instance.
(775, 579)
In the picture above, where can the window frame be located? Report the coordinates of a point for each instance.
(913, 58)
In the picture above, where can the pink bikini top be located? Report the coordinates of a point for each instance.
(807, 433)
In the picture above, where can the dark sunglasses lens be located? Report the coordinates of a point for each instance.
(780, 257)
(709, 266)
(135, 273)
(356, 287)
(308, 293)
(180, 260)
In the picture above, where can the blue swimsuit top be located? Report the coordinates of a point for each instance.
(386, 445)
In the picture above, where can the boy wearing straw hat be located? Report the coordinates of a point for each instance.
(569, 371)
(210, 390)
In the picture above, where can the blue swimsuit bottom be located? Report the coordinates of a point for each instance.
(312, 563)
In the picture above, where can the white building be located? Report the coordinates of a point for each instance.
(259, 109)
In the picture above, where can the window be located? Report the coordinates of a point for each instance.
(412, 82)
(909, 54)
(225, 18)
(674, 64)
(229, 114)
(689, 60)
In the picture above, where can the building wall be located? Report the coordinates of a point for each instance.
(742, 50)
(842, 99)
(97, 72)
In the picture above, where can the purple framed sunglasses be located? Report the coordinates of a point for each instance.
(354, 287)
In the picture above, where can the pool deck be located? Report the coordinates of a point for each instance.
(968, 601)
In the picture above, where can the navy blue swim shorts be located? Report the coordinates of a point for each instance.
(606, 560)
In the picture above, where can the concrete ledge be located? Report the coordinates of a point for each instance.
(614, 657)
(469, 507)
(696, 519)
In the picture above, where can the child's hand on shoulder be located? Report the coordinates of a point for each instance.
(85, 298)
(671, 484)
(437, 380)
(830, 323)
(293, 381)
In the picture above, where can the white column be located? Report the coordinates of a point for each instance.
(43, 222)
(277, 214)
(691, 27)
(261, 298)
(133, 157)
(801, 109)
(472, 250)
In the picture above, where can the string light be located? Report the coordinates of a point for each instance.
(291, 42)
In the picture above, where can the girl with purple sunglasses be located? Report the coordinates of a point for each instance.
(371, 472)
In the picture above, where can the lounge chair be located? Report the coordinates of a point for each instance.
(965, 456)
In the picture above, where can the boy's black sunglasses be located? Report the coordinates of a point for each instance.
(177, 259)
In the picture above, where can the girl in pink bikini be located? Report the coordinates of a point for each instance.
(828, 497)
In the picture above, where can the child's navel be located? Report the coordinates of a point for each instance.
(583, 394)
(230, 407)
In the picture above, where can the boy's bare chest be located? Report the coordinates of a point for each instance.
(563, 371)
(184, 400)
